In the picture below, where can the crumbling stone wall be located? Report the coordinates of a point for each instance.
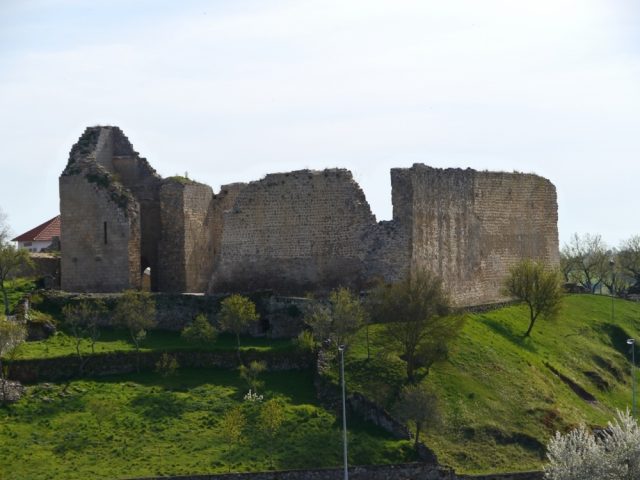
(101, 233)
(294, 232)
(470, 227)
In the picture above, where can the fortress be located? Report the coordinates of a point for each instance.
(293, 232)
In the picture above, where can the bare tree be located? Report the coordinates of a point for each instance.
(629, 258)
(4, 228)
(82, 320)
(588, 257)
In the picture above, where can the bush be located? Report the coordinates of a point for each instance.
(305, 342)
(200, 331)
(167, 365)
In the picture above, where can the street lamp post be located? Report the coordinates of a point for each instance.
(344, 414)
(632, 342)
(613, 281)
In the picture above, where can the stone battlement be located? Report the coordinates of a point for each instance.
(293, 232)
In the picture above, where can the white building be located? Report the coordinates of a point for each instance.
(41, 237)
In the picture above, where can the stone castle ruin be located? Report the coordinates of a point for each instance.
(293, 232)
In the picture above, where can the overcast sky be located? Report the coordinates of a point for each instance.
(231, 90)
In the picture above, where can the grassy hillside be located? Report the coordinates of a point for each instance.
(146, 425)
(500, 398)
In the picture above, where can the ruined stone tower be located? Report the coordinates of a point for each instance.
(293, 232)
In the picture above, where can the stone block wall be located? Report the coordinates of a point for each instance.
(186, 244)
(294, 232)
(470, 227)
(100, 239)
(143, 182)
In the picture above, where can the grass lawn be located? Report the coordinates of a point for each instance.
(16, 289)
(499, 399)
(146, 424)
(114, 340)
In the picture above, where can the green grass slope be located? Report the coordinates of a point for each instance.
(149, 425)
(500, 397)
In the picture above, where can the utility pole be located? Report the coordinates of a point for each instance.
(344, 414)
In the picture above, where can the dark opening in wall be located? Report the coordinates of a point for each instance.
(105, 233)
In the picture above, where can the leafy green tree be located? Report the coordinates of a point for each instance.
(232, 427)
(82, 320)
(538, 287)
(136, 311)
(418, 405)
(237, 313)
(251, 374)
(271, 420)
(12, 334)
(167, 365)
(338, 320)
(11, 260)
(200, 331)
(417, 323)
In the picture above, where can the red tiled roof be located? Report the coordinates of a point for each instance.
(44, 232)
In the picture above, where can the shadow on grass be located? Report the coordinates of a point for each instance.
(297, 386)
(381, 378)
(160, 405)
(618, 337)
(518, 339)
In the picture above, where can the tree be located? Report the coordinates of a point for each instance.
(271, 420)
(136, 311)
(167, 365)
(338, 320)
(589, 260)
(419, 405)
(236, 314)
(11, 259)
(12, 334)
(614, 453)
(251, 373)
(82, 320)
(539, 288)
(415, 312)
(629, 258)
(200, 331)
(4, 228)
(231, 428)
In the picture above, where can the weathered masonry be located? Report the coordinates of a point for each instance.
(293, 232)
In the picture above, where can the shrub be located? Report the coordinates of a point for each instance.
(167, 365)
(200, 331)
